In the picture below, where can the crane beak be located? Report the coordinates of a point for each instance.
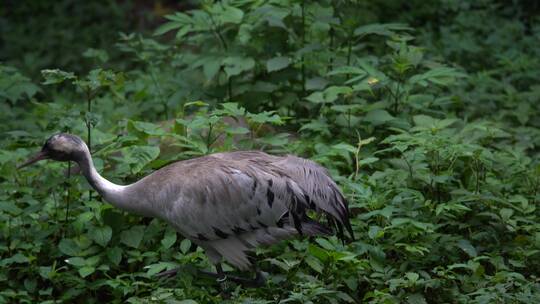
(40, 156)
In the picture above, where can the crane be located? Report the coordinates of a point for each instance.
(227, 203)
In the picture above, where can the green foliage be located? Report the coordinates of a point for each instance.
(429, 124)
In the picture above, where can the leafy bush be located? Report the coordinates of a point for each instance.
(430, 128)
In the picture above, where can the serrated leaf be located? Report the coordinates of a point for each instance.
(185, 245)
(506, 213)
(133, 236)
(412, 276)
(236, 65)
(166, 27)
(231, 14)
(324, 243)
(115, 255)
(147, 128)
(155, 268)
(56, 76)
(101, 235)
(316, 97)
(169, 238)
(10, 207)
(416, 298)
(424, 121)
(139, 156)
(69, 247)
(211, 68)
(314, 263)
(378, 117)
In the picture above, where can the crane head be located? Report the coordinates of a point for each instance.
(60, 147)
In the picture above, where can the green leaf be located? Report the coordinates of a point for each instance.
(188, 301)
(316, 97)
(375, 232)
(324, 243)
(16, 258)
(14, 86)
(185, 245)
(155, 268)
(56, 76)
(506, 213)
(76, 261)
(69, 247)
(139, 156)
(348, 70)
(101, 235)
(265, 117)
(378, 117)
(277, 63)
(230, 109)
(412, 276)
(320, 126)
(101, 55)
(46, 272)
(10, 207)
(211, 67)
(147, 128)
(332, 93)
(166, 27)
(387, 29)
(86, 271)
(314, 263)
(424, 121)
(443, 76)
(467, 247)
(115, 255)
(416, 298)
(169, 238)
(236, 130)
(236, 65)
(133, 236)
(231, 14)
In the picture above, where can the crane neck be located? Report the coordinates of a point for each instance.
(118, 195)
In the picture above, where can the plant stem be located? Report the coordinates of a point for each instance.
(68, 198)
(303, 6)
(89, 134)
(88, 119)
(209, 138)
(349, 52)
(331, 47)
(396, 98)
(229, 88)
(159, 91)
(217, 32)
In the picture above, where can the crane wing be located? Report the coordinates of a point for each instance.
(322, 192)
(319, 191)
(222, 198)
(231, 202)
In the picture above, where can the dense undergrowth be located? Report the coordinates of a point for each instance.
(427, 115)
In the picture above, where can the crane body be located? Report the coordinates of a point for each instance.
(227, 203)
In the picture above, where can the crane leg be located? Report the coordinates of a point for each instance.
(221, 276)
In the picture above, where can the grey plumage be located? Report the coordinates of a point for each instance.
(227, 203)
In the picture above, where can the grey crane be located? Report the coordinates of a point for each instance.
(226, 203)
